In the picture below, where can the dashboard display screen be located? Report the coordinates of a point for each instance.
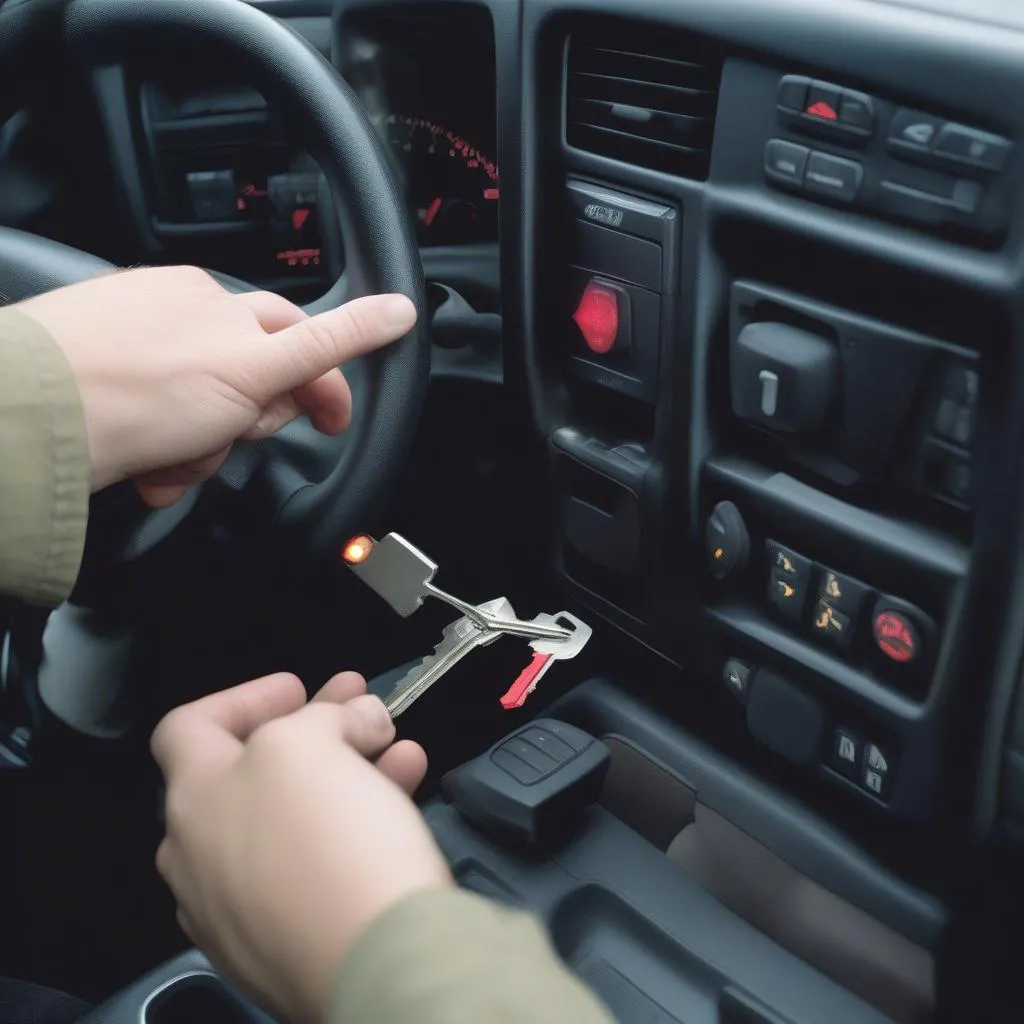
(428, 83)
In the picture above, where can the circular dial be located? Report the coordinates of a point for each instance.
(452, 186)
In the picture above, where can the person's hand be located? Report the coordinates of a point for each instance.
(173, 369)
(283, 840)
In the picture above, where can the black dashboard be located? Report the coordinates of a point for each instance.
(762, 299)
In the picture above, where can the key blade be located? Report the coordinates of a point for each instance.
(458, 639)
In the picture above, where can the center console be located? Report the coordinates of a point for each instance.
(776, 320)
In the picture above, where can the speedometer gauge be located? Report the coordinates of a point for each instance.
(452, 186)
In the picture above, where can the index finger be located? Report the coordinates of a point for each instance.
(310, 348)
(209, 733)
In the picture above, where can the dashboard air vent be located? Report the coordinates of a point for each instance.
(645, 97)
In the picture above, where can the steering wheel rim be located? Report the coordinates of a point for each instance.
(321, 495)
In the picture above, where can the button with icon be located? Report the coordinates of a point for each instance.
(788, 576)
(737, 676)
(842, 593)
(876, 772)
(834, 626)
(846, 753)
(913, 132)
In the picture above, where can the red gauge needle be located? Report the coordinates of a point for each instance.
(432, 211)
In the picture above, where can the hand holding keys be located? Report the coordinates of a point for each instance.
(403, 576)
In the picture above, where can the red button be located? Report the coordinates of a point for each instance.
(597, 317)
(896, 636)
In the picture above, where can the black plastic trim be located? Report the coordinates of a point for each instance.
(805, 841)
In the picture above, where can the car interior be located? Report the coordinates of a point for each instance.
(721, 319)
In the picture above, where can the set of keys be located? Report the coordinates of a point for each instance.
(403, 576)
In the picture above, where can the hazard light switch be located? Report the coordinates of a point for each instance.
(603, 317)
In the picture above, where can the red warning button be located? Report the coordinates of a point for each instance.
(896, 636)
(599, 317)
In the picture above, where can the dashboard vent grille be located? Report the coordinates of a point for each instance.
(647, 98)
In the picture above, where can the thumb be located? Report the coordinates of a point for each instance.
(310, 348)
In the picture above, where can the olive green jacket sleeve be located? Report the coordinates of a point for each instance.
(44, 465)
(445, 956)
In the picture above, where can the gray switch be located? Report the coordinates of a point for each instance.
(769, 392)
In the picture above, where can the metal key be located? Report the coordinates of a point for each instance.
(403, 575)
(460, 638)
(545, 654)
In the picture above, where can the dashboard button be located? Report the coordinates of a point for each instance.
(792, 93)
(842, 593)
(857, 111)
(823, 101)
(727, 541)
(834, 177)
(737, 677)
(785, 161)
(846, 752)
(832, 625)
(895, 634)
(876, 772)
(969, 147)
(789, 574)
(914, 132)
(602, 315)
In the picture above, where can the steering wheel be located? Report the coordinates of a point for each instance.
(319, 488)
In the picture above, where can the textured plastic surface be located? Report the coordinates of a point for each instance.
(654, 944)
(785, 718)
(808, 843)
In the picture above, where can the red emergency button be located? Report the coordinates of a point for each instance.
(896, 636)
(597, 316)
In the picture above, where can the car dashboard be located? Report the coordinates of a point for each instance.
(762, 298)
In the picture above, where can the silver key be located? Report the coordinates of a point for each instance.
(403, 575)
(460, 638)
(545, 654)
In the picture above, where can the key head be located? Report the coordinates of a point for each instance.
(398, 572)
(563, 649)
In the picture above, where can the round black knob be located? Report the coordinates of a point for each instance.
(728, 541)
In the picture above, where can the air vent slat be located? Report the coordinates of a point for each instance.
(628, 138)
(644, 96)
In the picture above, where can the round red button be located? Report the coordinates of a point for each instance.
(896, 637)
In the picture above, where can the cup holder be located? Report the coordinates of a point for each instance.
(198, 998)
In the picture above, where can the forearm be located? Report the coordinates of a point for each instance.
(449, 957)
(44, 465)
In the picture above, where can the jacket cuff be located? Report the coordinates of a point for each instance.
(445, 956)
(44, 466)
